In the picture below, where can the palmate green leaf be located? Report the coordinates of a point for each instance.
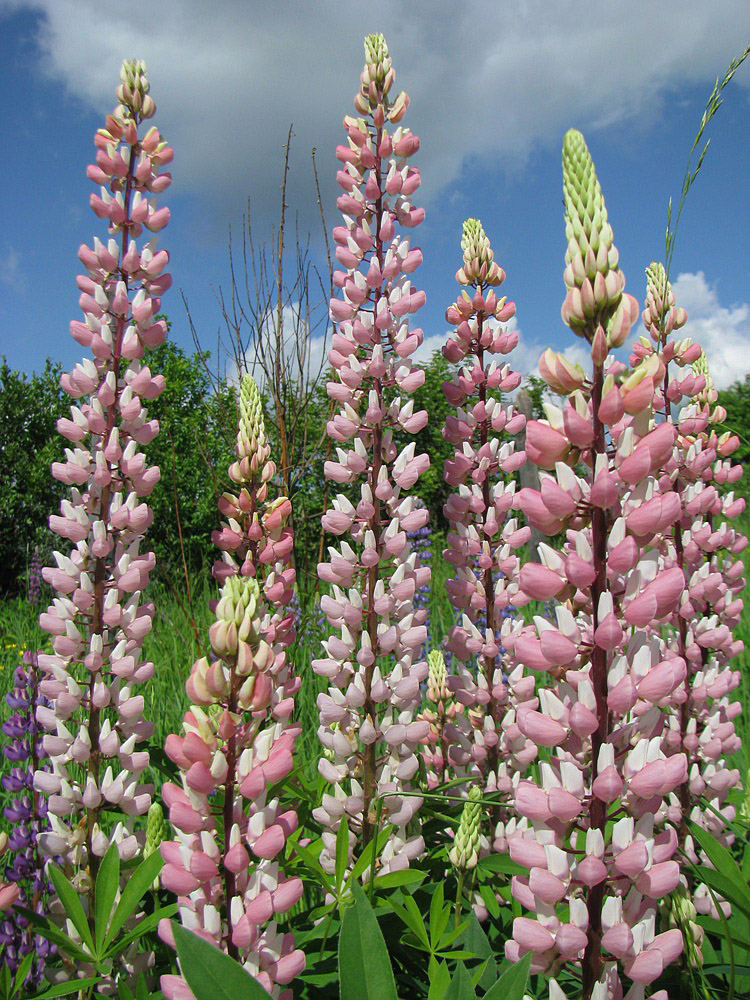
(107, 884)
(411, 916)
(725, 864)
(71, 902)
(66, 989)
(394, 880)
(143, 926)
(461, 987)
(440, 914)
(21, 973)
(342, 852)
(501, 864)
(512, 983)
(477, 941)
(364, 967)
(136, 887)
(48, 930)
(211, 974)
(440, 979)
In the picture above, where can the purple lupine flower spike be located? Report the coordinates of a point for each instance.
(27, 814)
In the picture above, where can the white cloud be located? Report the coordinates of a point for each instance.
(300, 353)
(488, 80)
(10, 270)
(722, 331)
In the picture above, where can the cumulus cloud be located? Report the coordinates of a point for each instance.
(722, 331)
(488, 81)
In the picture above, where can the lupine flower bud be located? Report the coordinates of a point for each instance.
(678, 911)
(592, 275)
(464, 854)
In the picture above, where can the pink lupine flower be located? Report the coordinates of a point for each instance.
(483, 539)
(609, 779)
(229, 882)
(702, 629)
(97, 621)
(228, 878)
(368, 730)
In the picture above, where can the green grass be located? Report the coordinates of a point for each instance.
(172, 646)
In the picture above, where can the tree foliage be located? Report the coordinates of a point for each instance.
(30, 406)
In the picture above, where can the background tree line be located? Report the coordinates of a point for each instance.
(197, 413)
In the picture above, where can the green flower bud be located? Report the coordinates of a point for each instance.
(437, 687)
(156, 831)
(465, 851)
(479, 261)
(591, 260)
(237, 615)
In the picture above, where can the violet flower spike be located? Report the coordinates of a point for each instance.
(27, 814)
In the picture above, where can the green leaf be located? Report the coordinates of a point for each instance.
(725, 864)
(461, 987)
(512, 983)
(501, 864)
(5, 984)
(489, 899)
(141, 988)
(21, 973)
(72, 904)
(365, 858)
(124, 992)
(211, 974)
(135, 889)
(144, 926)
(394, 880)
(364, 967)
(411, 916)
(48, 930)
(65, 989)
(440, 979)
(342, 852)
(477, 941)
(719, 883)
(460, 955)
(107, 884)
(451, 936)
(717, 927)
(440, 914)
(313, 865)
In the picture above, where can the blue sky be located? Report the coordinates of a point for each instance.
(494, 86)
